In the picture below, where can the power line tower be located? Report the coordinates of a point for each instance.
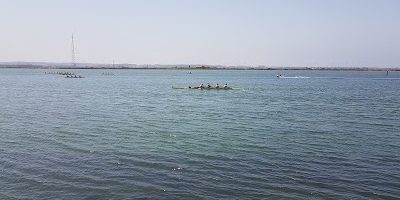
(73, 51)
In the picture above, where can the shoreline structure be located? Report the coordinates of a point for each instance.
(44, 65)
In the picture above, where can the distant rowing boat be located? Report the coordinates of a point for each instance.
(208, 88)
(74, 77)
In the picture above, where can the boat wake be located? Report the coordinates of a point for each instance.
(293, 77)
(307, 77)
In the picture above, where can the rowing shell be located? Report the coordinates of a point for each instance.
(208, 88)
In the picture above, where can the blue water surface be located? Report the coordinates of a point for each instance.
(129, 135)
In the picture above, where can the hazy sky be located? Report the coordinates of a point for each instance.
(228, 32)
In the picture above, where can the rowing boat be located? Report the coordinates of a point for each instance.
(208, 88)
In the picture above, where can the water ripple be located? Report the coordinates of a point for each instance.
(130, 136)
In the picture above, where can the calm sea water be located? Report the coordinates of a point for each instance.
(311, 135)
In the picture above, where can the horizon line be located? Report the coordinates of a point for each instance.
(180, 65)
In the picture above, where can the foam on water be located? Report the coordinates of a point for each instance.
(295, 77)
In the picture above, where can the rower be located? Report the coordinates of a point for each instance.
(226, 85)
(217, 86)
(202, 86)
(208, 86)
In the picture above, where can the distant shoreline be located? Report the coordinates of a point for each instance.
(171, 67)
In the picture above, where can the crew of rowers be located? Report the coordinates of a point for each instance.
(209, 86)
(73, 76)
(61, 73)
